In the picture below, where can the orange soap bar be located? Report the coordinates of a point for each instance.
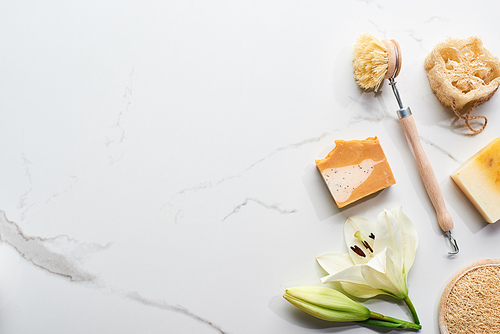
(355, 169)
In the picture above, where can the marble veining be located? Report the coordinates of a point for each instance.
(64, 257)
(117, 131)
(440, 148)
(260, 203)
(207, 185)
(23, 199)
(73, 181)
(59, 255)
(136, 297)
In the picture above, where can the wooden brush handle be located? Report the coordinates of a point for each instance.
(427, 173)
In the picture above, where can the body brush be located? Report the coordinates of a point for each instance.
(373, 62)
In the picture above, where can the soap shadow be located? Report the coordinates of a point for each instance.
(466, 210)
(319, 195)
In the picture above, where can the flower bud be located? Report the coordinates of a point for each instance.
(326, 303)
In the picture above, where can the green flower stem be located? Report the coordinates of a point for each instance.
(412, 309)
(390, 322)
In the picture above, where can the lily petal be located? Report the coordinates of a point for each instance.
(409, 236)
(353, 282)
(332, 263)
(384, 272)
(351, 274)
(388, 234)
(366, 228)
(364, 291)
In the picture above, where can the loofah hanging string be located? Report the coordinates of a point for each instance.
(467, 117)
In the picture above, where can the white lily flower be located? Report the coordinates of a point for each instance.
(379, 258)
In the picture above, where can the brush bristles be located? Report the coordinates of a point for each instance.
(370, 61)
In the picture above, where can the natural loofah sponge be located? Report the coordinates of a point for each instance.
(463, 74)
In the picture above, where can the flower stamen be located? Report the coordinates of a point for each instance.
(363, 241)
(358, 251)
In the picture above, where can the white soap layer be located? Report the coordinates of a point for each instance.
(343, 180)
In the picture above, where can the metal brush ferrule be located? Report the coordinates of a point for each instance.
(404, 112)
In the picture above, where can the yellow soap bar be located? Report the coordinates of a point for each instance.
(479, 179)
(355, 169)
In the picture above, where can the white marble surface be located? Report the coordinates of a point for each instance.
(157, 159)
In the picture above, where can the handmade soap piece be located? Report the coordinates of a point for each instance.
(355, 169)
(479, 179)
